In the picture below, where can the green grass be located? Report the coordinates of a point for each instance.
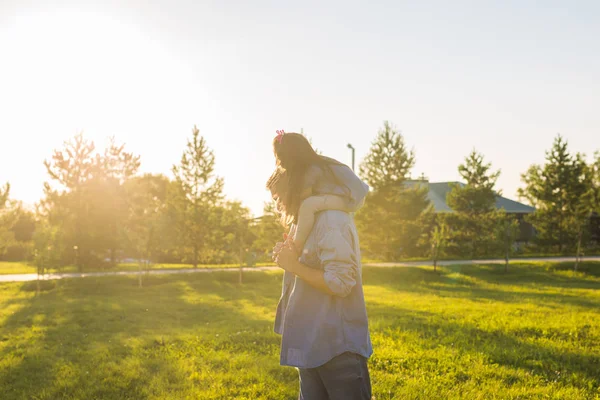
(7, 268)
(469, 332)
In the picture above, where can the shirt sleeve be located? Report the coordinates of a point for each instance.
(340, 264)
(358, 189)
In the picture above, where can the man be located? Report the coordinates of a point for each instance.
(321, 314)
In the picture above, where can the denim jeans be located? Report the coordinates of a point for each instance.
(345, 377)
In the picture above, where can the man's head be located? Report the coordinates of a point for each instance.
(278, 185)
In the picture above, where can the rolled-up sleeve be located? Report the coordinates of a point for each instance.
(339, 261)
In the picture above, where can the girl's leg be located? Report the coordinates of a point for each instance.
(306, 215)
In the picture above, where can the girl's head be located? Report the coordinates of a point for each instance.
(293, 150)
(294, 153)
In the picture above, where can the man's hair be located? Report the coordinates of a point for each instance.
(275, 179)
(278, 183)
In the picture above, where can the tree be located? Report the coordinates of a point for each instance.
(268, 230)
(4, 193)
(389, 162)
(586, 205)
(22, 224)
(230, 240)
(391, 223)
(554, 189)
(85, 199)
(439, 236)
(48, 242)
(144, 226)
(584, 208)
(231, 237)
(7, 237)
(107, 197)
(507, 232)
(64, 205)
(475, 217)
(199, 190)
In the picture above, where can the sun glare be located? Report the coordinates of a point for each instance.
(80, 69)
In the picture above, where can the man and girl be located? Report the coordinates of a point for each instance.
(321, 314)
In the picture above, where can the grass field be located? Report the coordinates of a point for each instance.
(7, 268)
(470, 332)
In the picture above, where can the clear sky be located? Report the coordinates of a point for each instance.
(503, 77)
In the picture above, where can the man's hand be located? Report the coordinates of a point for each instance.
(287, 258)
(279, 246)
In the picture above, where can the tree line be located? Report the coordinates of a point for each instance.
(97, 210)
(399, 221)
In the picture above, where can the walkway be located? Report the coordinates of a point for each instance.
(33, 277)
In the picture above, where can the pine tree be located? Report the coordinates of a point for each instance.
(199, 191)
(389, 162)
(65, 203)
(473, 222)
(391, 223)
(554, 189)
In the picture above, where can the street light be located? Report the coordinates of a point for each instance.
(76, 251)
(353, 151)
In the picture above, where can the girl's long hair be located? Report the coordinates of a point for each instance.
(295, 155)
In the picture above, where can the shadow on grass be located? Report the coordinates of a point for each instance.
(513, 349)
(533, 284)
(559, 275)
(105, 338)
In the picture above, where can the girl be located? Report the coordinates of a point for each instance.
(316, 183)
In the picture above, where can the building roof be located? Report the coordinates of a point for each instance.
(439, 190)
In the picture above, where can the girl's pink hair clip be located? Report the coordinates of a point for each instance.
(279, 136)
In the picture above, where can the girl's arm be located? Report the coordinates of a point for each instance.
(358, 189)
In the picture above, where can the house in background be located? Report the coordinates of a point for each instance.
(438, 191)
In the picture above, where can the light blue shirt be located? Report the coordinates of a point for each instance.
(315, 326)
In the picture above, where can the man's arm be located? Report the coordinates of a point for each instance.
(312, 276)
(339, 261)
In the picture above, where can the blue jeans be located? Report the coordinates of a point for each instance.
(345, 377)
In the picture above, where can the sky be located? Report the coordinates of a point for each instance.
(501, 77)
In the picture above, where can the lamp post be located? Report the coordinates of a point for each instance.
(76, 251)
(353, 152)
